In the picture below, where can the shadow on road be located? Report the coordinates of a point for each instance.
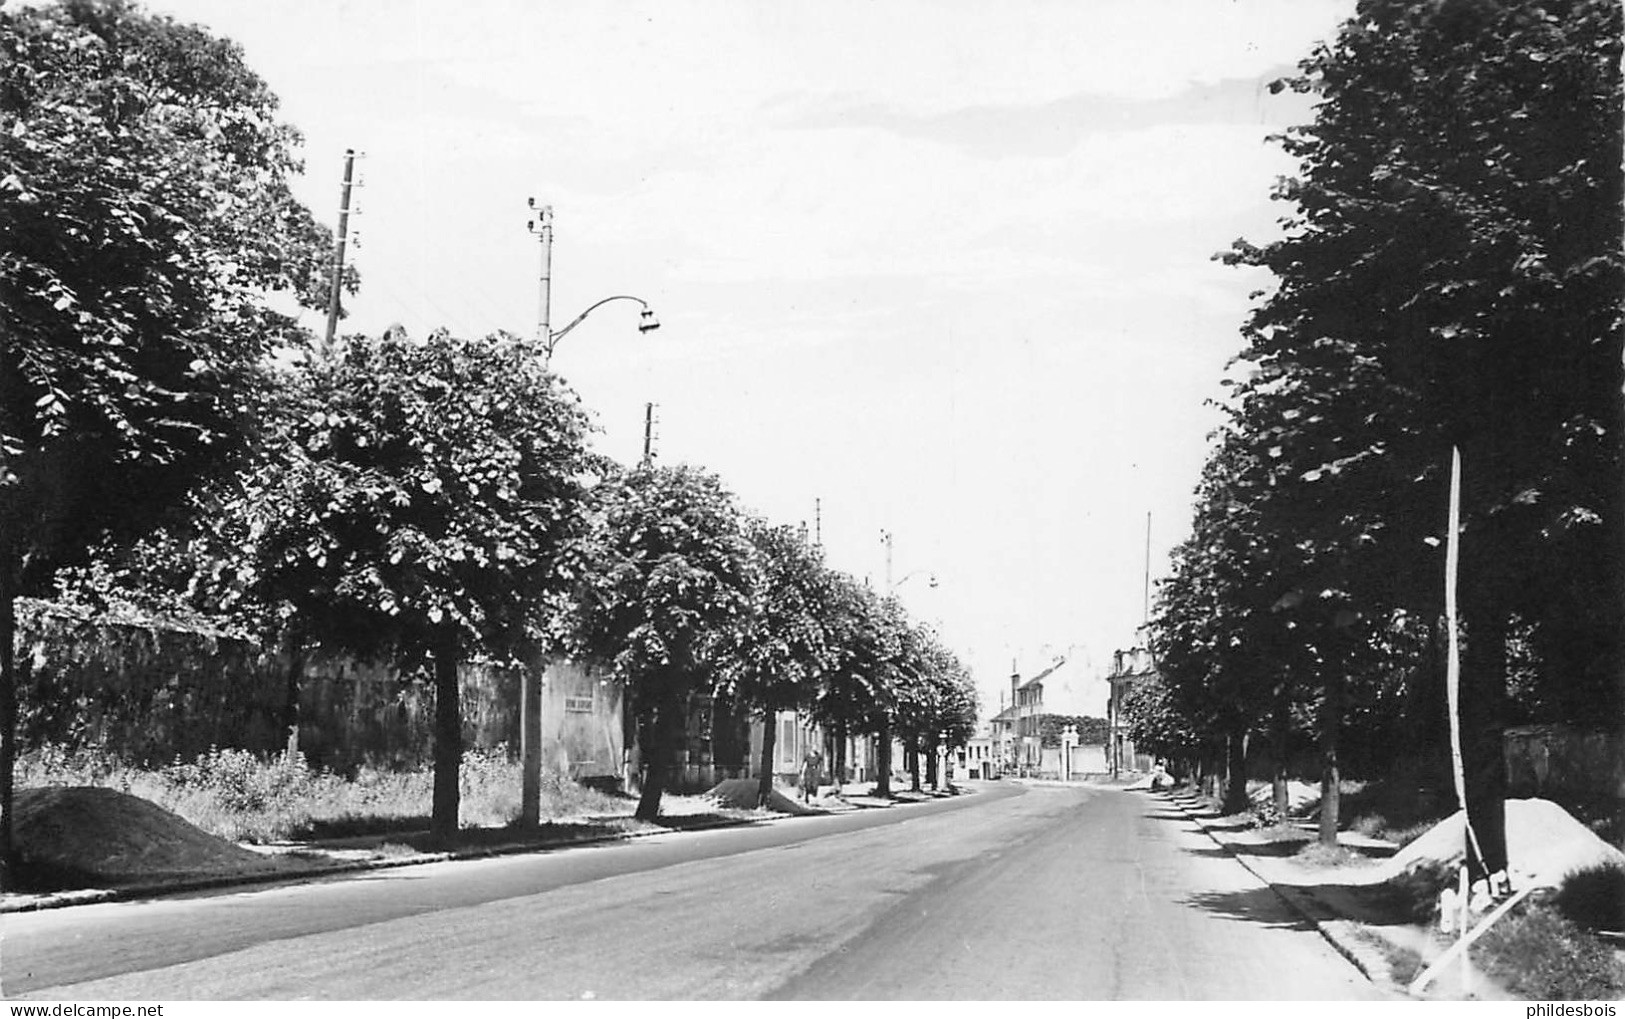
(1257, 905)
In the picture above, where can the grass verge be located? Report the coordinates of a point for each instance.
(244, 798)
(1539, 954)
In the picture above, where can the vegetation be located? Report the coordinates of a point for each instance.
(666, 586)
(243, 797)
(415, 508)
(148, 217)
(1448, 279)
(1541, 955)
(785, 649)
(1091, 731)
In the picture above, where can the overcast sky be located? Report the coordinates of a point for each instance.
(944, 266)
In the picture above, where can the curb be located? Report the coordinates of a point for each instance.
(1343, 935)
(91, 896)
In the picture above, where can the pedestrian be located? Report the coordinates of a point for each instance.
(810, 768)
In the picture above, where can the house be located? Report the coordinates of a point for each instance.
(978, 758)
(1129, 668)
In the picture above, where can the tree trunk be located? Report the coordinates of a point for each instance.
(290, 698)
(1235, 790)
(1331, 716)
(1483, 706)
(933, 765)
(883, 760)
(8, 725)
(448, 739)
(912, 757)
(1280, 736)
(664, 729)
(770, 737)
(631, 745)
(840, 754)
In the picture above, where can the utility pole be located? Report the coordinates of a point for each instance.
(818, 523)
(530, 684)
(1147, 619)
(648, 433)
(885, 539)
(542, 227)
(338, 251)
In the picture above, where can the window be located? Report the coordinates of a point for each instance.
(787, 741)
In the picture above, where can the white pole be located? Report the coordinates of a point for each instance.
(1452, 676)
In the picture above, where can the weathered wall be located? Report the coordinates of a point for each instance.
(582, 734)
(156, 692)
(1559, 761)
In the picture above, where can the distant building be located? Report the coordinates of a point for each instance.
(978, 758)
(1129, 669)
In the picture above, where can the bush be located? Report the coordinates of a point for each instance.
(240, 782)
(1594, 898)
(1540, 954)
(239, 796)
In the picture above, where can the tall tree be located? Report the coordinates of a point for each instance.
(1459, 208)
(853, 686)
(144, 188)
(784, 649)
(666, 583)
(417, 509)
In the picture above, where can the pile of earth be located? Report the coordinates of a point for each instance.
(1545, 845)
(80, 836)
(742, 793)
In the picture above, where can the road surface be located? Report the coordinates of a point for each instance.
(1016, 891)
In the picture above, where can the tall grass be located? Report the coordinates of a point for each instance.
(1540, 954)
(244, 797)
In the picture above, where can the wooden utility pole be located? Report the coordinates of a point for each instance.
(338, 252)
(648, 433)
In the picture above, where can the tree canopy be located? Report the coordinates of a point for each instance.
(1449, 277)
(663, 598)
(144, 189)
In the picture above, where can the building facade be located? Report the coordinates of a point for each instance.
(1129, 669)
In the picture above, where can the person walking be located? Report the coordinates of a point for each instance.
(811, 767)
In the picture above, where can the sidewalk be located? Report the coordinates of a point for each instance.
(1349, 904)
(321, 858)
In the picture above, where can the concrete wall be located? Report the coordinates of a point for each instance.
(1559, 761)
(582, 731)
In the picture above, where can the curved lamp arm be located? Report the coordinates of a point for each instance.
(931, 578)
(646, 319)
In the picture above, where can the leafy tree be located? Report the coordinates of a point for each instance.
(418, 509)
(954, 710)
(1456, 239)
(144, 187)
(1154, 721)
(784, 650)
(845, 699)
(665, 595)
(1090, 730)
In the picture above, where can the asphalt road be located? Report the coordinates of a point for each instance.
(1014, 892)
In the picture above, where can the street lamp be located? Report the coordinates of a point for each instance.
(893, 585)
(542, 227)
(530, 687)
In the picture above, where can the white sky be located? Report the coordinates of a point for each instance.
(944, 266)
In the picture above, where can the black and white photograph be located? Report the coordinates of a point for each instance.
(884, 500)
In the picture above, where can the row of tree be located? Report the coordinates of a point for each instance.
(1449, 282)
(168, 438)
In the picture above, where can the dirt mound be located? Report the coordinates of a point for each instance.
(68, 835)
(1545, 843)
(741, 793)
